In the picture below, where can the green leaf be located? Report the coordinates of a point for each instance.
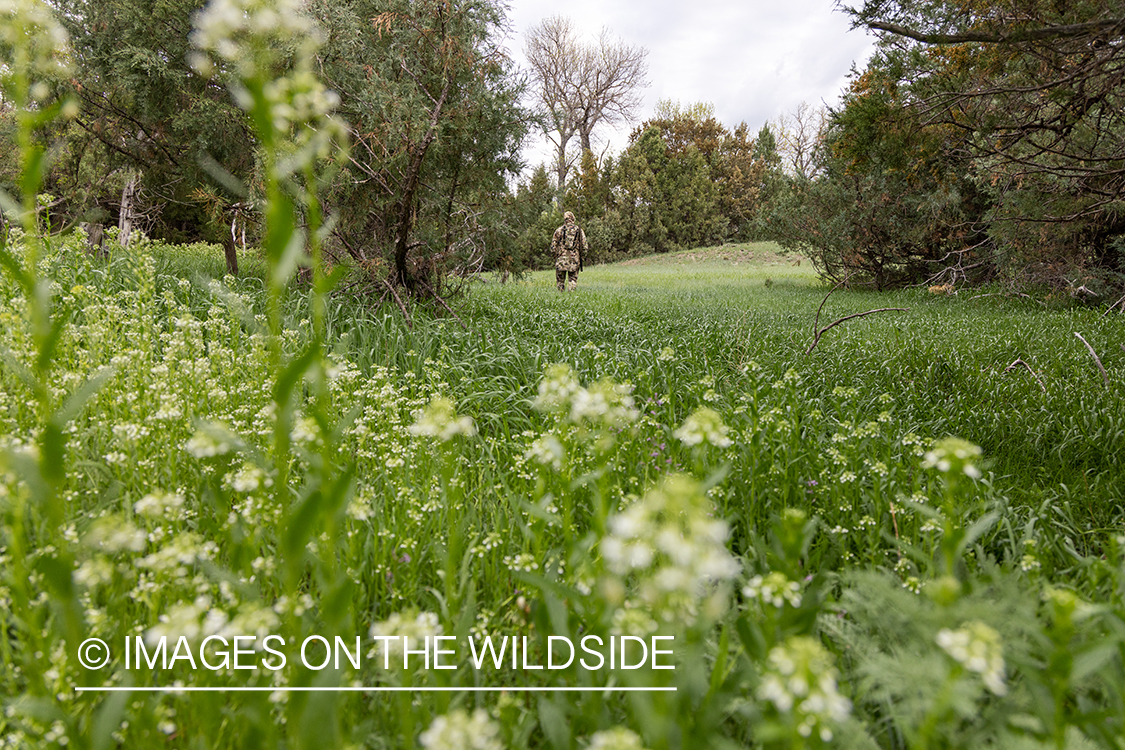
(74, 403)
(552, 718)
(293, 373)
(301, 526)
(21, 371)
(34, 168)
(1093, 659)
(979, 527)
(50, 343)
(52, 447)
(58, 575)
(9, 262)
(108, 719)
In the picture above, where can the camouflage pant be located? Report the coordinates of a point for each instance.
(566, 280)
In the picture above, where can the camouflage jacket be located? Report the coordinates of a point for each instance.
(569, 247)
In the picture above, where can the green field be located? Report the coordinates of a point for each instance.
(654, 455)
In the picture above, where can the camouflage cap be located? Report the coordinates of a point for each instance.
(568, 216)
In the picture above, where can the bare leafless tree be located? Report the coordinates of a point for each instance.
(555, 56)
(582, 86)
(612, 74)
(799, 134)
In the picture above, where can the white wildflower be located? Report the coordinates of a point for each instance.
(158, 504)
(457, 730)
(115, 534)
(704, 425)
(414, 625)
(556, 389)
(774, 589)
(800, 682)
(523, 562)
(606, 403)
(675, 549)
(94, 572)
(439, 419)
(29, 25)
(978, 648)
(211, 440)
(954, 455)
(240, 31)
(547, 450)
(248, 479)
(618, 738)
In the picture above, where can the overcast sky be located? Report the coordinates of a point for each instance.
(751, 59)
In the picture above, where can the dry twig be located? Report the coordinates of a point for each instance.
(446, 306)
(1094, 354)
(833, 324)
(1025, 364)
(1115, 304)
(405, 312)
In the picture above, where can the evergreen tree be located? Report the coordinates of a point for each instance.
(145, 118)
(436, 125)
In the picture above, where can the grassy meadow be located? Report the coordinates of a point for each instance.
(896, 540)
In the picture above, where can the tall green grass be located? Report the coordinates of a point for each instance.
(480, 532)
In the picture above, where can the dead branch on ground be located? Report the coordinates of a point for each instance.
(1033, 374)
(1115, 304)
(405, 312)
(833, 324)
(1094, 354)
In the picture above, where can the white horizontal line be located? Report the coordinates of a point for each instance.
(369, 689)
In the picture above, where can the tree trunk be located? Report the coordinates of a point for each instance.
(584, 135)
(128, 213)
(561, 168)
(95, 238)
(410, 188)
(231, 257)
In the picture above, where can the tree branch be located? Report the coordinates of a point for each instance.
(1026, 365)
(833, 324)
(1008, 37)
(1094, 354)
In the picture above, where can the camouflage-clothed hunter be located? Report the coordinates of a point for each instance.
(569, 248)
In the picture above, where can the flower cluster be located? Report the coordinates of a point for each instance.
(556, 389)
(252, 37)
(774, 589)
(704, 425)
(160, 504)
(210, 440)
(547, 450)
(670, 542)
(606, 404)
(457, 730)
(977, 648)
(800, 681)
(618, 738)
(241, 32)
(439, 419)
(954, 456)
(1029, 563)
(415, 626)
(32, 45)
